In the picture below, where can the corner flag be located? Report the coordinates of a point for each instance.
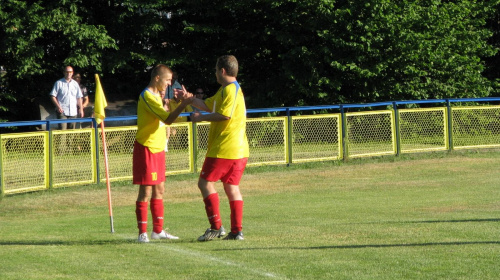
(99, 115)
(100, 101)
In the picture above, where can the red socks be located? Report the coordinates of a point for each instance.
(212, 209)
(213, 214)
(141, 211)
(236, 215)
(157, 211)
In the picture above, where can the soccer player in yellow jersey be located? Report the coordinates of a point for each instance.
(149, 154)
(227, 151)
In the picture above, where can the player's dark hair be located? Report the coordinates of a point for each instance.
(229, 63)
(160, 70)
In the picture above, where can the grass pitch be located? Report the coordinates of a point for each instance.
(435, 216)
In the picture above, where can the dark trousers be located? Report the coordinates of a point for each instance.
(65, 125)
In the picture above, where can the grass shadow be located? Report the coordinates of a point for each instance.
(66, 243)
(430, 221)
(89, 242)
(363, 246)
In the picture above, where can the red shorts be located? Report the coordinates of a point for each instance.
(229, 171)
(148, 168)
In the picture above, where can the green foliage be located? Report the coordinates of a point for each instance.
(38, 39)
(290, 52)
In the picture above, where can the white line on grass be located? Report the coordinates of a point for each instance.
(219, 260)
(200, 255)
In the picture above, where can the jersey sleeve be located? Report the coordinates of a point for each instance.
(212, 101)
(153, 106)
(228, 101)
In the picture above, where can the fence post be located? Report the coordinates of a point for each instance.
(396, 124)
(343, 123)
(450, 125)
(290, 136)
(195, 147)
(51, 155)
(2, 191)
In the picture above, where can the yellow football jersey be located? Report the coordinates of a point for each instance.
(150, 113)
(228, 139)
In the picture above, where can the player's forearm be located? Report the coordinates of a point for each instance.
(200, 104)
(213, 117)
(173, 115)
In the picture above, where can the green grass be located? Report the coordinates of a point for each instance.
(432, 216)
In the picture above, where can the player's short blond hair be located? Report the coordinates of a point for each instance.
(160, 70)
(228, 62)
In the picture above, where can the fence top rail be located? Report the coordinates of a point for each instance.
(374, 104)
(45, 122)
(266, 110)
(22, 123)
(426, 101)
(483, 99)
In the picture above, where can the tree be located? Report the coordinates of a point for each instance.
(291, 52)
(326, 52)
(38, 39)
(492, 71)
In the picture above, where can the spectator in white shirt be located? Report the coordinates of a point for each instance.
(67, 97)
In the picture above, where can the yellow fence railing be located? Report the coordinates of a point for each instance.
(49, 159)
(423, 130)
(476, 127)
(370, 133)
(316, 138)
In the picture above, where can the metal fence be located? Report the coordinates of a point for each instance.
(40, 160)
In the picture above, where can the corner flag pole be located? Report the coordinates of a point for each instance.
(106, 167)
(99, 114)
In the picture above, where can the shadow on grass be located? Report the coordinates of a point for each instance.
(430, 221)
(134, 241)
(456, 221)
(87, 242)
(65, 243)
(362, 246)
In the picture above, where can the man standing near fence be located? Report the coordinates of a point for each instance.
(227, 152)
(149, 153)
(67, 97)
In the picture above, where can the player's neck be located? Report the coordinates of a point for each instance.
(228, 80)
(153, 89)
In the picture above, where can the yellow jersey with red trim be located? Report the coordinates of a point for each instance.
(172, 105)
(228, 139)
(150, 115)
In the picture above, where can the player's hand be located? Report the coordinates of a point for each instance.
(178, 92)
(186, 96)
(181, 93)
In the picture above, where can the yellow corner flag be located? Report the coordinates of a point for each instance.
(100, 101)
